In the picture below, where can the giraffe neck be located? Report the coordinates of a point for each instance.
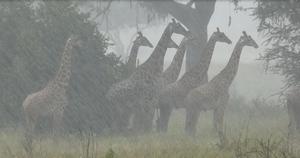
(155, 62)
(64, 72)
(192, 78)
(227, 75)
(131, 64)
(172, 72)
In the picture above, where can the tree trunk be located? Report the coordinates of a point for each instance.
(195, 19)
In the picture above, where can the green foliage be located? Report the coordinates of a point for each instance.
(110, 154)
(280, 24)
(33, 35)
(154, 12)
(270, 147)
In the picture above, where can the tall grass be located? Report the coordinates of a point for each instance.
(256, 129)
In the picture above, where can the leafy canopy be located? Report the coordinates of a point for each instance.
(33, 35)
(280, 24)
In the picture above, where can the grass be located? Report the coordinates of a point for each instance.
(252, 132)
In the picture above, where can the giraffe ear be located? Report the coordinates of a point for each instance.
(218, 30)
(245, 34)
(173, 20)
(140, 34)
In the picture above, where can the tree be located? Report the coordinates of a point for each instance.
(194, 14)
(111, 16)
(32, 39)
(279, 22)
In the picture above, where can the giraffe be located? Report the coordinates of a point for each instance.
(214, 95)
(173, 94)
(141, 40)
(171, 74)
(141, 87)
(293, 106)
(51, 100)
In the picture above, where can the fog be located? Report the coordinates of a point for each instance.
(251, 79)
(177, 78)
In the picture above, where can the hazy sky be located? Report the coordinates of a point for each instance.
(240, 21)
(250, 85)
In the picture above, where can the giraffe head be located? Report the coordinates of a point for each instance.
(75, 41)
(141, 40)
(221, 37)
(177, 28)
(247, 40)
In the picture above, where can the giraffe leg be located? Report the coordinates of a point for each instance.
(148, 118)
(29, 134)
(57, 122)
(119, 124)
(30, 125)
(297, 117)
(149, 110)
(192, 116)
(163, 119)
(120, 117)
(218, 124)
(219, 118)
(292, 118)
(124, 120)
(142, 120)
(144, 114)
(31, 122)
(114, 124)
(137, 119)
(115, 117)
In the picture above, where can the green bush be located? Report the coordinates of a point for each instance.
(33, 35)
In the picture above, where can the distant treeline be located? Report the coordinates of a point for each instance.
(32, 38)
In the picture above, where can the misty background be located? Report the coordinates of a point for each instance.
(33, 36)
(252, 80)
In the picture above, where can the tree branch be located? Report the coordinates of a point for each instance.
(190, 3)
(205, 8)
(189, 16)
(104, 10)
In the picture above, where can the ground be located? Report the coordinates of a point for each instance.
(256, 131)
